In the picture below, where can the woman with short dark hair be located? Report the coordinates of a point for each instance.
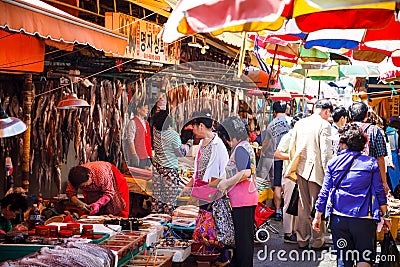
(241, 188)
(104, 188)
(11, 206)
(353, 196)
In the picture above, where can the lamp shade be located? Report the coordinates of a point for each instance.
(72, 102)
(10, 126)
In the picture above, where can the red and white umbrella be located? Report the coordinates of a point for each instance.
(219, 16)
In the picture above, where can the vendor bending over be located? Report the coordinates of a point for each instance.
(11, 206)
(104, 189)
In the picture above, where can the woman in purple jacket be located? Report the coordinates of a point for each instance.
(355, 204)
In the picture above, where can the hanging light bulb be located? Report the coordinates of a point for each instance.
(203, 50)
(72, 102)
(10, 126)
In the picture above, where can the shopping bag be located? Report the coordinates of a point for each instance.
(389, 252)
(222, 214)
(205, 231)
(201, 190)
(293, 207)
(262, 213)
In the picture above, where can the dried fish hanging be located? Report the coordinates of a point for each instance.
(12, 146)
(95, 132)
(184, 99)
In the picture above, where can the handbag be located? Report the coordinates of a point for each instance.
(221, 211)
(203, 191)
(205, 230)
(389, 252)
(329, 204)
(293, 207)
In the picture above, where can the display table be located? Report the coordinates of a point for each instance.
(138, 185)
(111, 229)
(395, 225)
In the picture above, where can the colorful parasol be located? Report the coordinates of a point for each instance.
(191, 17)
(372, 16)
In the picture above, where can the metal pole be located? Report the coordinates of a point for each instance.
(319, 89)
(242, 54)
(304, 91)
(272, 69)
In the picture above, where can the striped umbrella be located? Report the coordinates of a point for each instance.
(217, 16)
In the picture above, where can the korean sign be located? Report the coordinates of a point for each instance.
(144, 42)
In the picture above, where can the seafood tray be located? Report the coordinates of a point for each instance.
(122, 247)
(180, 249)
(120, 250)
(180, 254)
(158, 260)
(157, 218)
(184, 222)
(152, 235)
(139, 237)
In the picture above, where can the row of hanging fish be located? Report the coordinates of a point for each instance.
(95, 132)
(11, 147)
(186, 99)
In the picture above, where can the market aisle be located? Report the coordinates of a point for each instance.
(275, 246)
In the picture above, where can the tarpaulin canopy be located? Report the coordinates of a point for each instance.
(14, 57)
(35, 17)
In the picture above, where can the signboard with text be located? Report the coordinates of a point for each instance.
(143, 40)
(394, 105)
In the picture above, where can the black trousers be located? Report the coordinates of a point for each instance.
(243, 221)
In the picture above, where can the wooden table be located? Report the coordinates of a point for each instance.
(395, 225)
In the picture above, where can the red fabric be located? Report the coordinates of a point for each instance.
(102, 174)
(123, 189)
(142, 145)
(355, 19)
(15, 57)
(391, 31)
(262, 213)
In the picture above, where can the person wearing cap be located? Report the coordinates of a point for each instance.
(241, 187)
(310, 149)
(138, 137)
(210, 162)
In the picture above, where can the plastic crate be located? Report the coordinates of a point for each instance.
(180, 254)
(17, 251)
(98, 240)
